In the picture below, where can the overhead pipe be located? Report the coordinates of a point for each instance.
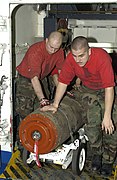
(61, 1)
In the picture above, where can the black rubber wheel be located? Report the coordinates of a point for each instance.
(79, 159)
(24, 156)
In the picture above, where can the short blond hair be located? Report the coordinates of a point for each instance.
(79, 42)
(55, 36)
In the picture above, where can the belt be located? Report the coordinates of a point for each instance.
(22, 77)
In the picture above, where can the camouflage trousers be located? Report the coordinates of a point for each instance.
(25, 99)
(93, 105)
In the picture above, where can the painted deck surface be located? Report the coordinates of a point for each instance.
(16, 170)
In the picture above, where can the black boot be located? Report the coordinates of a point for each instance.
(96, 162)
(106, 169)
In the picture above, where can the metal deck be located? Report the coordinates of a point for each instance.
(16, 170)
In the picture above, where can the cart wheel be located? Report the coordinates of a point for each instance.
(24, 156)
(79, 159)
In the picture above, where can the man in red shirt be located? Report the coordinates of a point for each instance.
(96, 95)
(38, 62)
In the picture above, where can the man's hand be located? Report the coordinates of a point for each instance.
(61, 88)
(108, 126)
(107, 123)
(49, 108)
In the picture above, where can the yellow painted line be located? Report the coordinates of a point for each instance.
(22, 174)
(2, 176)
(7, 169)
(115, 174)
(12, 175)
(13, 170)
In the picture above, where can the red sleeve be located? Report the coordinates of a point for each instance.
(106, 71)
(55, 71)
(67, 73)
(34, 57)
(60, 59)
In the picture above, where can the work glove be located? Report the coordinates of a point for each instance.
(44, 102)
(70, 94)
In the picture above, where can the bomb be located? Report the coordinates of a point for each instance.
(51, 130)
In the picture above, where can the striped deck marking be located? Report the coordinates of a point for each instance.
(114, 173)
(16, 170)
(24, 173)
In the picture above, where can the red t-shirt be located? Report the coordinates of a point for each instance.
(38, 62)
(96, 74)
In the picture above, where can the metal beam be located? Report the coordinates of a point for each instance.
(60, 1)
